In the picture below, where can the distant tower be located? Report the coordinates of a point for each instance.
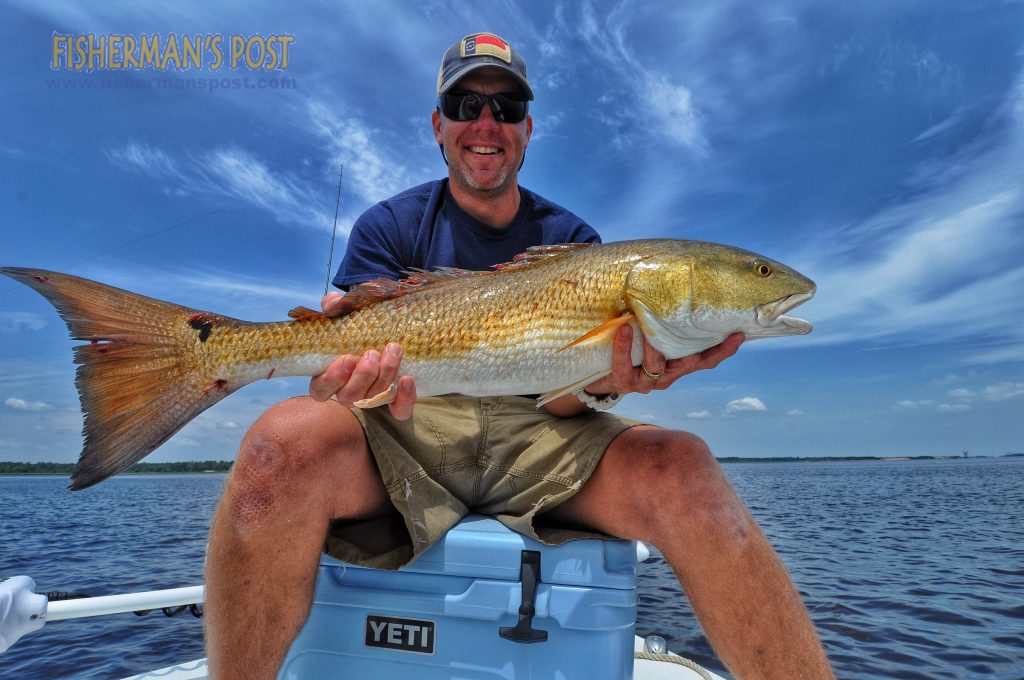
(965, 453)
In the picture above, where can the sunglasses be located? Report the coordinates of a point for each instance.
(507, 107)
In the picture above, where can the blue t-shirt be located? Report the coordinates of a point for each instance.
(424, 228)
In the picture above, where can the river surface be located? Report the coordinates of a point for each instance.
(910, 569)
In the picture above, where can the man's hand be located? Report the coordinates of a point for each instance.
(350, 378)
(626, 378)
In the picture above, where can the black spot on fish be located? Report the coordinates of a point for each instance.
(201, 323)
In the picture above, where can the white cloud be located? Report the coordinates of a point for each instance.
(22, 405)
(795, 412)
(942, 126)
(227, 425)
(745, 404)
(699, 414)
(150, 160)
(231, 173)
(672, 105)
(668, 105)
(1002, 391)
(997, 392)
(1012, 352)
(953, 408)
(11, 150)
(942, 265)
(371, 171)
(15, 322)
(913, 403)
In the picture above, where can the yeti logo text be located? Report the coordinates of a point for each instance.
(406, 635)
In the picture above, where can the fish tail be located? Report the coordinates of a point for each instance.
(141, 377)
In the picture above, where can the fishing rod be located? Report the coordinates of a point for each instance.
(334, 232)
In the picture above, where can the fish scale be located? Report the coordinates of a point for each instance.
(543, 324)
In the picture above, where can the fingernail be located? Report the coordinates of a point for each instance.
(394, 349)
(372, 355)
(348, 363)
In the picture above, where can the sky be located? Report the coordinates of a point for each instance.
(876, 147)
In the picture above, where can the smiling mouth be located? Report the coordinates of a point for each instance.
(484, 150)
(773, 314)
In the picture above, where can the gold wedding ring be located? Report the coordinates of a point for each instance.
(652, 376)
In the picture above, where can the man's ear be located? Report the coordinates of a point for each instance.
(529, 127)
(435, 119)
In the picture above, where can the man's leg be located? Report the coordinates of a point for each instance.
(300, 465)
(666, 488)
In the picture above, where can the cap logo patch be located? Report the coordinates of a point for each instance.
(486, 43)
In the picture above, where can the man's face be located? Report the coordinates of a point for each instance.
(483, 154)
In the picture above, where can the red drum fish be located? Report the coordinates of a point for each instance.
(542, 324)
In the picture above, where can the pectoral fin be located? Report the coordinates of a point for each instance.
(605, 332)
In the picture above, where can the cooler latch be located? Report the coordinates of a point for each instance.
(529, 575)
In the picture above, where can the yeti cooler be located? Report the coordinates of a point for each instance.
(484, 603)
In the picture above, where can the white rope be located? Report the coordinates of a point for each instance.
(671, 658)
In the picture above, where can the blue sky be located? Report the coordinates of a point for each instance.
(877, 147)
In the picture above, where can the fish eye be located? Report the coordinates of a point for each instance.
(762, 269)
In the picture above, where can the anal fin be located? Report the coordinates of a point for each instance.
(569, 389)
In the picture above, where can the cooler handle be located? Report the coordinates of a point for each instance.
(529, 575)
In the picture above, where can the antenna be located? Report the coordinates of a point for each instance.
(334, 232)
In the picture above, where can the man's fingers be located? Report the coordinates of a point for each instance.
(622, 364)
(709, 358)
(323, 386)
(713, 356)
(331, 302)
(362, 378)
(653, 359)
(389, 361)
(655, 363)
(402, 406)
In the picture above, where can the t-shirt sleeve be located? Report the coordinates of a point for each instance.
(584, 233)
(373, 249)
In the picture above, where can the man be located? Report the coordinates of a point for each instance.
(383, 485)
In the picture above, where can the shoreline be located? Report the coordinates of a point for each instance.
(12, 468)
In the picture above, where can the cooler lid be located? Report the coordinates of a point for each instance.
(483, 547)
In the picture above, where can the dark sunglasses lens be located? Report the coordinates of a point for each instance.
(508, 109)
(466, 106)
(462, 106)
(470, 106)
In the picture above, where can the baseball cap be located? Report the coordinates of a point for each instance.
(476, 51)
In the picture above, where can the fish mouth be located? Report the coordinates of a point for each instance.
(772, 315)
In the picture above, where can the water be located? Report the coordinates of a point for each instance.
(909, 569)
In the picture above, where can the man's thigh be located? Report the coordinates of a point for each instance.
(641, 476)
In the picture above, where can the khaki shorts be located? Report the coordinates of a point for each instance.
(499, 456)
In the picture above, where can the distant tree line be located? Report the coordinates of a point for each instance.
(10, 468)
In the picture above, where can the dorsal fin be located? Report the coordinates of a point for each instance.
(376, 290)
(538, 254)
(305, 314)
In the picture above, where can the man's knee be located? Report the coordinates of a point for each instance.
(293, 448)
(674, 459)
(683, 482)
